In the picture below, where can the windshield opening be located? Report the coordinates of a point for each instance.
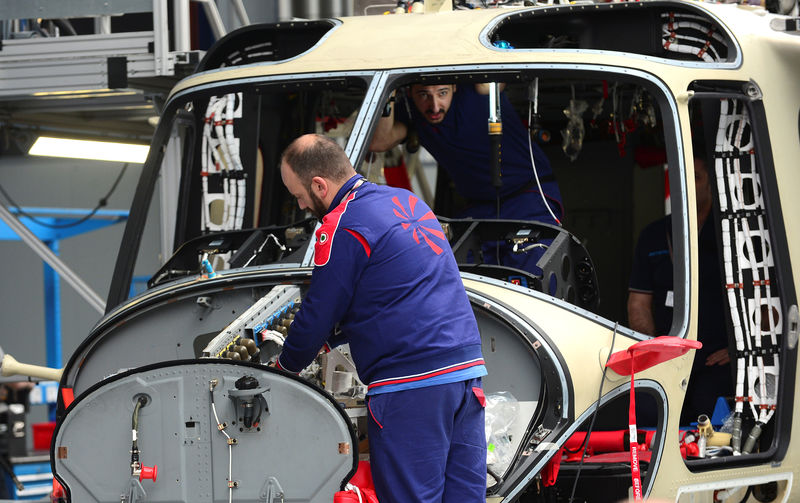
(584, 160)
(220, 174)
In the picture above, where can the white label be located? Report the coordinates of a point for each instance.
(670, 300)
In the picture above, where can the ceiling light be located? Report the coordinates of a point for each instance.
(87, 149)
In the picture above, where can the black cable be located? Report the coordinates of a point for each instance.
(102, 202)
(140, 402)
(594, 414)
(135, 430)
(747, 494)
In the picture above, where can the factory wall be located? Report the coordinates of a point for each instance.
(62, 183)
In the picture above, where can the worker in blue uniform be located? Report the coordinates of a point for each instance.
(451, 123)
(650, 301)
(385, 274)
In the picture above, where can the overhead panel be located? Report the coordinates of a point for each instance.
(680, 34)
(266, 42)
(26, 9)
(57, 65)
(76, 64)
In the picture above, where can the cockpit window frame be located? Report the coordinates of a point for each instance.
(388, 80)
(129, 248)
(749, 95)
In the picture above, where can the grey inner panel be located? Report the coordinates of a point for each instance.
(510, 360)
(303, 433)
(161, 333)
(171, 331)
(512, 367)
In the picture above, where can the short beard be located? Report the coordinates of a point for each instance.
(318, 208)
(441, 119)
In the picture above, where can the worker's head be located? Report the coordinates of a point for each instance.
(433, 102)
(314, 168)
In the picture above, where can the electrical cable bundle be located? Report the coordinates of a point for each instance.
(748, 263)
(220, 157)
(690, 34)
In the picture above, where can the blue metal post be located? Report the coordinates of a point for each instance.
(52, 311)
(52, 318)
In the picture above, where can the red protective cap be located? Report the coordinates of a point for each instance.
(148, 473)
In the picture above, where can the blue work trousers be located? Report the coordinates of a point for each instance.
(428, 445)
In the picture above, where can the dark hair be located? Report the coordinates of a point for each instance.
(316, 155)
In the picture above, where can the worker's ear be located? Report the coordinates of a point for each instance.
(319, 187)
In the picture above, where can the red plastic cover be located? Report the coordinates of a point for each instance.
(645, 354)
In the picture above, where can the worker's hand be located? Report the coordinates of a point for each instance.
(718, 357)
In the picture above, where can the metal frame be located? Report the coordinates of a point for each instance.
(27, 66)
(24, 9)
(80, 63)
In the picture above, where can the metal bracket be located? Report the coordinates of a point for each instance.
(752, 91)
(271, 491)
(134, 492)
(789, 25)
(792, 322)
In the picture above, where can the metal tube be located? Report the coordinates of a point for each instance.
(180, 12)
(736, 434)
(495, 137)
(241, 12)
(52, 311)
(214, 19)
(160, 41)
(752, 438)
(48, 256)
(494, 113)
(102, 24)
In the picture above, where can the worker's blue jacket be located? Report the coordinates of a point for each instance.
(385, 273)
(460, 144)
